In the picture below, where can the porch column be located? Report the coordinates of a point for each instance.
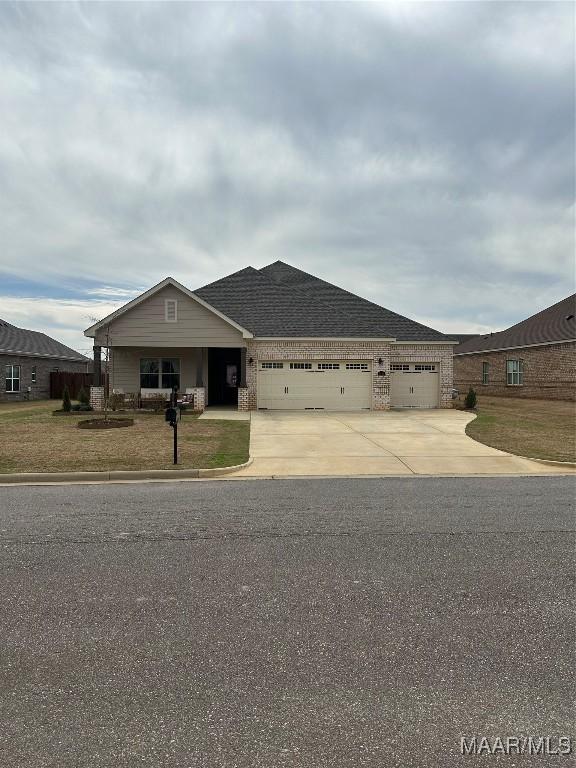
(199, 367)
(242, 382)
(97, 377)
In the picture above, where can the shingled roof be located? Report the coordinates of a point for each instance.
(280, 300)
(554, 324)
(19, 341)
(462, 337)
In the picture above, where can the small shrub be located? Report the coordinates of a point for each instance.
(83, 397)
(66, 402)
(116, 401)
(471, 399)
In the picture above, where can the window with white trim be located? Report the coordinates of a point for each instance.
(399, 367)
(171, 310)
(514, 373)
(12, 378)
(424, 367)
(272, 365)
(356, 366)
(328, 366)
(159, 373)
(485, 372)
(300, 366)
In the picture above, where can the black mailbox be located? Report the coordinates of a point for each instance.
(171, 415)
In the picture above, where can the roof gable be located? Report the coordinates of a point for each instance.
(168, 281)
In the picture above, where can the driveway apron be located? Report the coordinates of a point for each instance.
(423, 442)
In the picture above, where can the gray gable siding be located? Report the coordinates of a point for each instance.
(144, 325)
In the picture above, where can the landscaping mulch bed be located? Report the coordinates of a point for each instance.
(105, 423)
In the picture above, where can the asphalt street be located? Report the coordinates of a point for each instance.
(297, 623)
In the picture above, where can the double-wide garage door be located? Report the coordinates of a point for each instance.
(414, 385)
(329, 385)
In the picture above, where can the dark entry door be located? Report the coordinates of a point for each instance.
(223, 376)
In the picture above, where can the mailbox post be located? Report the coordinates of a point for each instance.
(172, 416)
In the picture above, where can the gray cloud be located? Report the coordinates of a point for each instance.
(419, 154)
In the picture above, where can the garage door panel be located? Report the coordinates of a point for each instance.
(411, 389)
(325, 385)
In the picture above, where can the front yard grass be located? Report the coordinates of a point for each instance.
(33, 440)
(540, 429)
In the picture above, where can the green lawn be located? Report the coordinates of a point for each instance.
(33, 440)
(541, 429)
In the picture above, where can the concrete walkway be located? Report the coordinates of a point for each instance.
(225, 413)
(427, 442)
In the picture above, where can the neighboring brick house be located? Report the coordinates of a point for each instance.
(274, 338)
(27, 358)
(535, 358)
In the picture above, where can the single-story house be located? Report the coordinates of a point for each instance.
(273, 338)
(27, 358)
(535, 358)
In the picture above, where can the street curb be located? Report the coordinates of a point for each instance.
(26, 478)
(567, 464)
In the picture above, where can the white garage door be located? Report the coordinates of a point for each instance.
(317, 384)
(414, 385)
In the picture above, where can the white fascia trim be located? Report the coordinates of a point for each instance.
(91, 331)
(319, 338)
(507, 349)
(426, 343)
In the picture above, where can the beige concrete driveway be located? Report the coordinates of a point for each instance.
(431, 442)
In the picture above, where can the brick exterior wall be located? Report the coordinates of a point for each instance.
(549, 372)
(39, 390)
(354, 350)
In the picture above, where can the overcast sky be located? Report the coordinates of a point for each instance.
(420, 155)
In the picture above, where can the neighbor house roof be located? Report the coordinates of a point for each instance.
(282, 301)
(462, 337)
(19, 341)
(552, 325)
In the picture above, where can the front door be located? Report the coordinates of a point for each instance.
(223, 376)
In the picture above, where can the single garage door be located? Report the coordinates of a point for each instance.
(315, 385)
(414, 385)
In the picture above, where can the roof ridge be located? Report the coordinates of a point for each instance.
(349, 293)
(249, 269)
(306, 294)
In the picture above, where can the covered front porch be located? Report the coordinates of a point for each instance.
(211, 376)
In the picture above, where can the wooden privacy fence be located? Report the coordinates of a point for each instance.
(74, 380)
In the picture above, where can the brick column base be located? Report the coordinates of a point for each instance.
(97, 398)
(243, 399)
(199, 398)
(381, 397)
